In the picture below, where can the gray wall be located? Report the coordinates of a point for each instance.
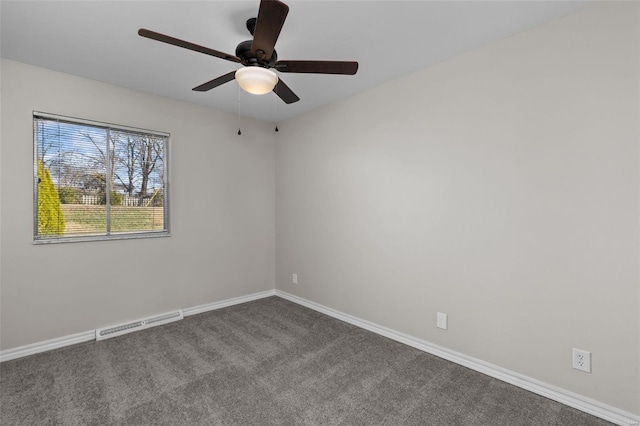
(500, 187)
(222, 214)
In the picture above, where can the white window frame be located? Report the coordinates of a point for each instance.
(166, 232)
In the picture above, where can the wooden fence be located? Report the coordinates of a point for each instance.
(127, 200)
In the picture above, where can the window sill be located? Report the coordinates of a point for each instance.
(86, 238)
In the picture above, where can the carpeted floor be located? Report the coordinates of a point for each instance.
(268, 362)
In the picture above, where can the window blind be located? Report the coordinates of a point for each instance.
(98, 181)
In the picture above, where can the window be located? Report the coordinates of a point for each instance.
(95, 181)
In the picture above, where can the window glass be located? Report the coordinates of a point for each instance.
(98, 181)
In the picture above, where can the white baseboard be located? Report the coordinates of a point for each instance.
(47, 345)
(86, 336)
(571, 399)
(229, 302)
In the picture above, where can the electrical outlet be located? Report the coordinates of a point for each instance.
(294, 278)
(582, 360)
(441, 321)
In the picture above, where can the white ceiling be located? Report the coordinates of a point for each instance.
(98, 40)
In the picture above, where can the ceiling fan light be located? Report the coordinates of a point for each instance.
(256, 80)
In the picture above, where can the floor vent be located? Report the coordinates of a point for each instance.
(118, 330)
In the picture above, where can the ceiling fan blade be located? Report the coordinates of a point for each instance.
(271, 17)
(215, 82)
(285, 93)
(187, 45)
(318, 67)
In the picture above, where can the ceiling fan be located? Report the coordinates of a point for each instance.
(259, 56)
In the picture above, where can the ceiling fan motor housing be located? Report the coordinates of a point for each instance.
(243, 51)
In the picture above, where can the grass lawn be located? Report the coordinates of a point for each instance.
(84, 219)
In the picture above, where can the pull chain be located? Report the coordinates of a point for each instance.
(276, 109)
(239, 132)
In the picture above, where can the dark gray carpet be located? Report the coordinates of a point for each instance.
(268, 362)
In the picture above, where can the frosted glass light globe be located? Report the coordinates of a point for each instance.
(256, 80)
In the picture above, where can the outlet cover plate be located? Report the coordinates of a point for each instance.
(441, 321)
(582, 360)
(294, 278)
